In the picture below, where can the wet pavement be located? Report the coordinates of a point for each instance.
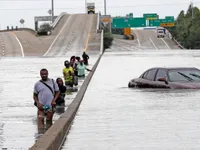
(18, 122)
(112, 116)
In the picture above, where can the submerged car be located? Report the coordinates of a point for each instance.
(171, 78)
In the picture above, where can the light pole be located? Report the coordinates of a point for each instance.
(86, 6)
(52, 8)
(104, 7)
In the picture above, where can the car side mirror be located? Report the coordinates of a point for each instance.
(163, 80)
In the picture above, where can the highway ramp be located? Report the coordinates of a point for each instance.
(9, 45)
(37, 45)
(148, 40)
(143, 40)
(78, 34)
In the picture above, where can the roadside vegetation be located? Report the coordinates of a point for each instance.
(44, 29)
(107, 40)
(187, 28)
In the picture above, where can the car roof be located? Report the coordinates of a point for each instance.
(175, 68)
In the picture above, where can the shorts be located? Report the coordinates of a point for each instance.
(70, 84)
(81, 76)
(51, 110)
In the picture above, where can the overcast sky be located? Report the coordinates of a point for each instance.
(11, 11)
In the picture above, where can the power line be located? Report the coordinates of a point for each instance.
(34, 0)
(152, 5)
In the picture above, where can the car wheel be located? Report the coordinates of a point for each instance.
(131, 85)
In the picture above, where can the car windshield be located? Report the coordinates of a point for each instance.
(192, 75)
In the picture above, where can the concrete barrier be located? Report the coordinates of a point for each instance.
(20, 29)
(102, 47)
(32, 30)
(149, 28)
(178, 43)
(58, 19)
(55, 136)
(97, 30)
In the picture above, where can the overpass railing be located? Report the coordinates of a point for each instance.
(98, 22)
(58, 19)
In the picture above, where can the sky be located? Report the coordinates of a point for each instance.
(11, 11)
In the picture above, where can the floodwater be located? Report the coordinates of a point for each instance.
(112, 116)
(18, 121)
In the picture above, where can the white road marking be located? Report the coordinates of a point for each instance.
(57, 36)
(153, 43)
(165, 43)
(21, 47)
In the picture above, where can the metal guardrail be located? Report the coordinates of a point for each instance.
(98, 23)
(170, 36)
(178, 43)
(101, 46)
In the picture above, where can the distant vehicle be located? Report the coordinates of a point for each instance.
(91, 8)
(169, 78)
(160, 32)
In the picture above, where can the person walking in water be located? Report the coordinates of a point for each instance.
(68, 73)
(62, 89)
(85, 58)
(45, 94)
(81, 69)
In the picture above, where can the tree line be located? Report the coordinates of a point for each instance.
(187, 28)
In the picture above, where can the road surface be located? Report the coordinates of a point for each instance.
(9, 46)
(74, 36)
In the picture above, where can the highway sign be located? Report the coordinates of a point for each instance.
(120, 23)
(147, 20)
(44, 18)
(22, 21)
(167, 24)
(106, 18)
(150, 16)
(128, 22)
(153, 23)
(137, 22)
(49, 11)
(127, 31)
(169, 17)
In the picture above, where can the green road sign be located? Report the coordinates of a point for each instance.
(137, 22)
(169, 18)
(152, 19)
(153, 23)
(158, 22)
(128, 22)
(120, 23)
(150, 16)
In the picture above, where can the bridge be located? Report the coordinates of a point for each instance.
(106, 118)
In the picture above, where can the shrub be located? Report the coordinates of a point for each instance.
(108, 39)
(44, 29)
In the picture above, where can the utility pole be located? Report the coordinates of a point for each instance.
(52, 8)
(85, 6)
(104, 7)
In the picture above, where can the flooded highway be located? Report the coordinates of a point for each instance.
(112, 116)
(18, 122)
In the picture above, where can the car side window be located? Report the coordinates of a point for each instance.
(161, 74)
(151, 74)
(145, 75)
